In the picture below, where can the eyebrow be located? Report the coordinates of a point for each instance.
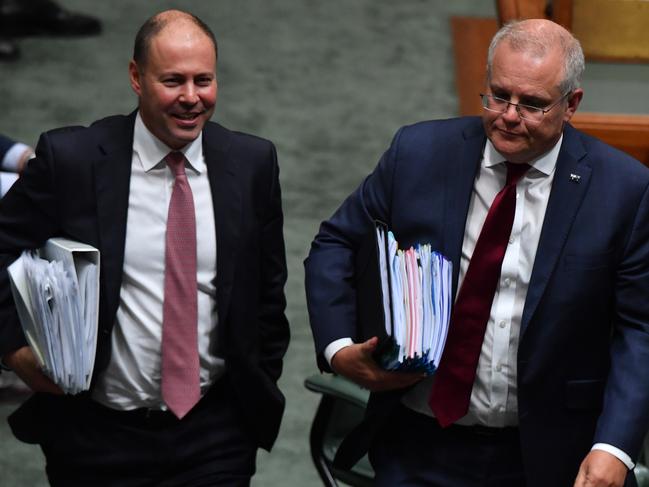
(523, 98)
(177, 74)
(534, 100)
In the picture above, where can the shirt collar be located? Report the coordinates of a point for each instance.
(544, 164)
(152, 150)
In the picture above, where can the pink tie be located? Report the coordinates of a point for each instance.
(451, 393)
(180, 369)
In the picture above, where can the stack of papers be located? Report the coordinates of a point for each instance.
(56, 291)
(416, 286)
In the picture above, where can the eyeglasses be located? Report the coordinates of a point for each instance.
(526, 112)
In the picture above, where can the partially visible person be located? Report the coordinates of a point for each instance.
(542, 380)
(13, 158)
(22, 18)
(187, 217)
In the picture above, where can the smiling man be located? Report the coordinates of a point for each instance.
(541, 381)
(187, 217)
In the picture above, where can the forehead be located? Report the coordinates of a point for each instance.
(181, 44)
(526, 71)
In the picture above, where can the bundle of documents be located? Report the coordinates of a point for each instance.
(56, 291)
(413, 301)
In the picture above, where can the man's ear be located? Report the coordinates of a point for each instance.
(134, 77)
(573, 103)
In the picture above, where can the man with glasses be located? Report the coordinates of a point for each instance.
(541, 380)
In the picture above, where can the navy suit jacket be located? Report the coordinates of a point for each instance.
(584, 340)
(78, 187)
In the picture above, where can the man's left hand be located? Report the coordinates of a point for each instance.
(601, 469)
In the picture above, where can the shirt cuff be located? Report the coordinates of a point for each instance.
(13, 156)
(334, 347)
(616, 452)
(6, 180)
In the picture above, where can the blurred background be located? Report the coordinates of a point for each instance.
(328, 81)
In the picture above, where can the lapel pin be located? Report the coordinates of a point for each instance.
(575, 178)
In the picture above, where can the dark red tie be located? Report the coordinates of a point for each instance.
(180, 365)
(451, 392)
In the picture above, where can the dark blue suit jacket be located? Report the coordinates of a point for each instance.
(584, 342)
(78, 188)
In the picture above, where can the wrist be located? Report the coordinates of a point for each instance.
(621, 455)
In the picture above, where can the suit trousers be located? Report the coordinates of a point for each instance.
(90, 444)
(412, 450)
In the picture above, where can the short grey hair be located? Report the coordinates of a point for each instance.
(539, 41)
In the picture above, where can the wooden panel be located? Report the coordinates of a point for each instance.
(471, 38)
(612, 29)
(520, 9)
(562, 13)
(629, 133)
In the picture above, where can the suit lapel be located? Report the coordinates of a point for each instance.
(458, 187)
(226, 199)
(112, 178)
(570, 184)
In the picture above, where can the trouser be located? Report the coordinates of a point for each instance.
(412, 450)
(90, 444)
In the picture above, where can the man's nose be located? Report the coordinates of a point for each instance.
(511, 113)
(189, 94)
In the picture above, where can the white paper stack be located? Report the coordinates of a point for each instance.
(56, 291)
(419, 296)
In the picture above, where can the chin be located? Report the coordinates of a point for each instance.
(508, 147)
(183, 138)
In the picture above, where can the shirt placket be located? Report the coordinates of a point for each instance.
(502, 318)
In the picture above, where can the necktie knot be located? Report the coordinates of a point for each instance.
(176, 162)
(515, 172)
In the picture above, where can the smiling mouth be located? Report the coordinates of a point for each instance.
(187, 116)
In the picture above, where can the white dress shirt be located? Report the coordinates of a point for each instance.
(494, 395)
(493, 398)
(132, 379)
(13, 156)
(7, 179)
(9, 166)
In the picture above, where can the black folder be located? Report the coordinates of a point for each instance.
(370, 314)
(416, 345)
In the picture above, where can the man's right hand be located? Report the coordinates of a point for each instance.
(356, 363)
(24, 364)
